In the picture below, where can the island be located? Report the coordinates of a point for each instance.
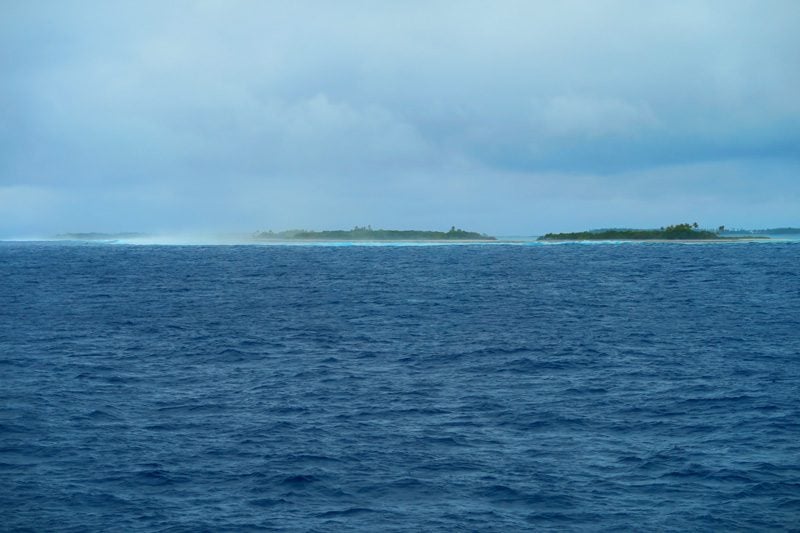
(366, 233)
(677, 232)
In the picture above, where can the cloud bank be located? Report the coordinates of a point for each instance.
(509, 117)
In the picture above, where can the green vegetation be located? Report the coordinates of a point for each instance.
(676, 232)
(366, 233)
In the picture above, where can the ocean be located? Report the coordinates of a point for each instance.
(644, 386)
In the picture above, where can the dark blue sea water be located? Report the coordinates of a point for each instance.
(443, 388)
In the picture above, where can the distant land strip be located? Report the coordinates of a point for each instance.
(769, 231)
(687, 231)
(682, 232)
(368, 234)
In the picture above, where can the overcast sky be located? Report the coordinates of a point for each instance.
(513, 118)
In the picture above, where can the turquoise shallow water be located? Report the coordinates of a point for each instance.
(321, 388)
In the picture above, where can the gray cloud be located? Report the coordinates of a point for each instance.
(515, 117)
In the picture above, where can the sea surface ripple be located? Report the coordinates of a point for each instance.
(450, 388)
